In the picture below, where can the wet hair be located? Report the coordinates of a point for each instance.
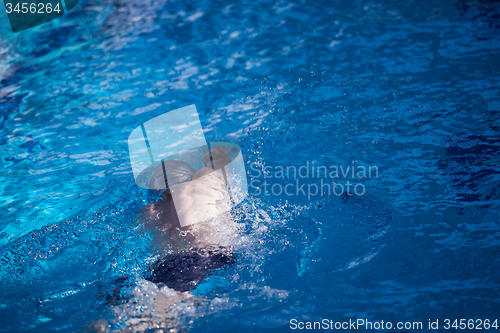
(185, 270)
(169, 174)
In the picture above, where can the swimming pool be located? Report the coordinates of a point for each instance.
(408, 88)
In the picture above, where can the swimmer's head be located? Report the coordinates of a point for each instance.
(176, 172)
(217, 156)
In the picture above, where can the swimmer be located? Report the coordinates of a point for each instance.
(203, 199)
(192, 196)
(196, 249)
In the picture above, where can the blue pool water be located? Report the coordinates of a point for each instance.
(411, 87)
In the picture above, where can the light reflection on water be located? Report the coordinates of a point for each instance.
(410, 87)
